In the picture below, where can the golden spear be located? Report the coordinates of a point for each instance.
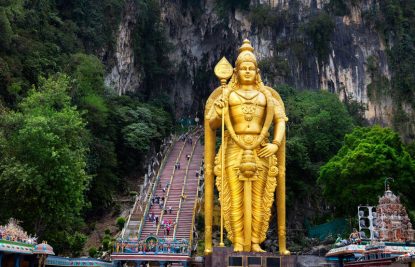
(223, 71)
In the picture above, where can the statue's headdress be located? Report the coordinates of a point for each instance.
(246, 54)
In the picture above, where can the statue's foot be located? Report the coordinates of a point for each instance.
(285, 252)
(256, 248)
(238, 248)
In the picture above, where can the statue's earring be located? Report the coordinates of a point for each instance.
(235, 76)
(258, 78)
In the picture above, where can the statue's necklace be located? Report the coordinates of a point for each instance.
(249, 105)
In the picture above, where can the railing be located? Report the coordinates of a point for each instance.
(165, 152)
(168, 189)
(159, 247)
(129, 217)
(153, 188)
(3, 240)
(184, 186)
(194, 212)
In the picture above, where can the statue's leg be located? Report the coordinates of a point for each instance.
(258, 209)
(236, 216)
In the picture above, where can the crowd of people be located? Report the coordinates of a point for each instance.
(171, 246)
(13, 232)
(165, 225)
(160, 201)
(355, 237)
(186, 138)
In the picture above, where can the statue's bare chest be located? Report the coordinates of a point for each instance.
(247, 110)
(240, 97)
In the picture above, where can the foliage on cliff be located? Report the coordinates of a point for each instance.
(317, 123)
(38, 38)
(355, 175)
(43, 147)
(151, 48)
(70, 125)
(395, 21)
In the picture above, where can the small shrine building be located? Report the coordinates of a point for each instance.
(17, 249)
(392, 223)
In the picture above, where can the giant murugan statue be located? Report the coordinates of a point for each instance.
(250, 164)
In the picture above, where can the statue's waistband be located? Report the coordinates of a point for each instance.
(248, 139)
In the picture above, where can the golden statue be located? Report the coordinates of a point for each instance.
(248, 166)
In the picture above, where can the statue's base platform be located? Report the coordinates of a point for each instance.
(225, 257)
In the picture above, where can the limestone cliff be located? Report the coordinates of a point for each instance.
(125, 75)
(289, 50)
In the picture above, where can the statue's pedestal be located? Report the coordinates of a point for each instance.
(224, 257)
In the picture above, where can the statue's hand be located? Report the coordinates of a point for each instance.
(220, 103)
(268, 150)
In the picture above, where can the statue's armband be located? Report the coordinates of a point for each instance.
(213, 118)
(279, 112)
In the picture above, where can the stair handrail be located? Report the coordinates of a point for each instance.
(168, 189)
(129, 218)
(184, 186)
(155, 182)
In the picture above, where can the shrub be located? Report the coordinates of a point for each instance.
(120, 222)
(92, 252)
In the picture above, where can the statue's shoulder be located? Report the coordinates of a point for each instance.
(275, 95)
(211, 99)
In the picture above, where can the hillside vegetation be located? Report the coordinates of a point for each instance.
(68, 143)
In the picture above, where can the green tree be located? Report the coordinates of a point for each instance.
(42, 164)
(138, 126)
(321, 120)
(5, 30)
(88, 93)
(95, 20)
(356, 174)
(317, 123)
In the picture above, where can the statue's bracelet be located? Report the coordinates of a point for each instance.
(275, 142)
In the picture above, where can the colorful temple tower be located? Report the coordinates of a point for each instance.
(17, 249)
(392, 222)
(391, 237)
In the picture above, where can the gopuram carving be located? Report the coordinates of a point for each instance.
(392, 222)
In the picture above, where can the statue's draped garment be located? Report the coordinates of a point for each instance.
(270, 171)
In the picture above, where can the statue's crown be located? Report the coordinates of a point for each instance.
(246, 53)
(246, 46)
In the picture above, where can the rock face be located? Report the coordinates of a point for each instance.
(392, 222)
(201, 34)
(125, 75)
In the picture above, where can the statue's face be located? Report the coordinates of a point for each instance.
(246, 73)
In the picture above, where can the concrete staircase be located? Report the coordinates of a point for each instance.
(183, 228)
(182, 219)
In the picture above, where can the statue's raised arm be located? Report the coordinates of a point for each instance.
(253, 161)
